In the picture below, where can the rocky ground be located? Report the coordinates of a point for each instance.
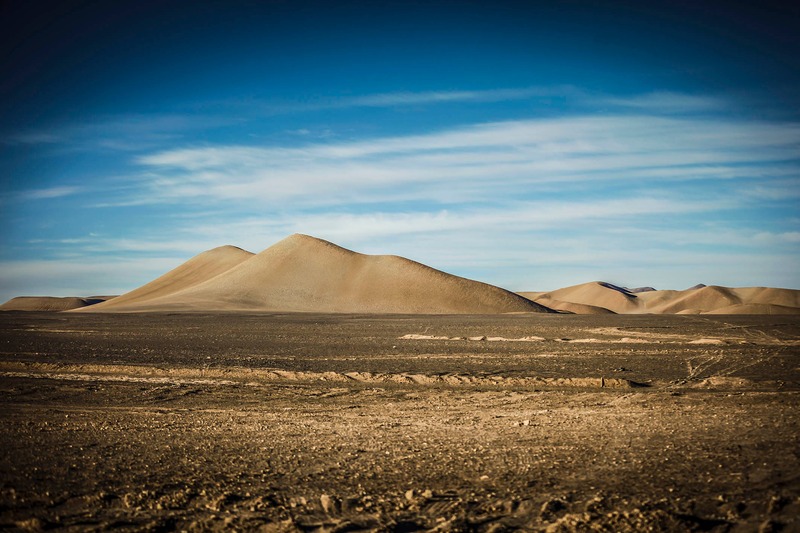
(399, 423)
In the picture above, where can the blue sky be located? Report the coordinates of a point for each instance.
(532, 145)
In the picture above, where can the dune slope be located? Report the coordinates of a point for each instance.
(302, 273)
(196, 270)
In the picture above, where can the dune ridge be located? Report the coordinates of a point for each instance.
(306, 274)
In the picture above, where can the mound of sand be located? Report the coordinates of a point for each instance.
(704, 299)
(50, 303)
(769, 296)
(755, 309)
(302, 273)
(565, 307)
(196, 270)
(596, 294)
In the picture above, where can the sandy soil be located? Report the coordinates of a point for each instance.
(400, 423)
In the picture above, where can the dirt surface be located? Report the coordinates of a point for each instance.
(399, 423)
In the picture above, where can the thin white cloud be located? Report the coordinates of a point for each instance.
(665, 102)
(503, 158)
(626, 195)
(560, 96)
(427, 97)
(50, 192)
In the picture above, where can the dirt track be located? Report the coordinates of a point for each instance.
(331, 422)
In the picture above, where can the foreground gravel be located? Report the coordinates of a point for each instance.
(197, 422)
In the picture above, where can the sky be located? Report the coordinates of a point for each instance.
(531, 145)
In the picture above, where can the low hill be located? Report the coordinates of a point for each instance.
(50, 303)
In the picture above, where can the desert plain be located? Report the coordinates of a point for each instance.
(380, 422)
(312, 388)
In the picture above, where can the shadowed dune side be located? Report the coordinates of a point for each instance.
(302, 273)
(567, 307)
(50, 303)
(198, 269)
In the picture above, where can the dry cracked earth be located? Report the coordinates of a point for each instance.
(297, 422)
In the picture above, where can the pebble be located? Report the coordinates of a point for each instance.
(328, 504)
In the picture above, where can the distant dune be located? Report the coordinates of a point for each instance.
(566, 307)
(588, 298)
(596, 294)
(302, 273)
(50, 303)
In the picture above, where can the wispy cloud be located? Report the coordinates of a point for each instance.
(433, 97)
(654, 189)
(514, 157)
(50, 192)
(664, 102)
(563, 97)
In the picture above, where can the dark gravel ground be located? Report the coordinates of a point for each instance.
(243, 421)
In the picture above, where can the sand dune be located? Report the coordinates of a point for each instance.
(705, 299)
(50, 303)
(302, 273)
(305, 274)
(755, 309)
(198, 269)
(596, 294)
(565, 307)
(697, 300)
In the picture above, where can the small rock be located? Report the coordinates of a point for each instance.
(552, 507)
(328, 504)
(428, 494)
(595, 505)
(31, 524)
(769, 526)
(776, 503)
(410, 494)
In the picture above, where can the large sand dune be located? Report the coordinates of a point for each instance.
(302, 273)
